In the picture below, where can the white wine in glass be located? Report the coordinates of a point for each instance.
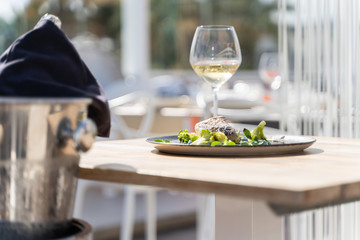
(215, 56)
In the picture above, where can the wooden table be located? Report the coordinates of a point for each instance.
(326, 174)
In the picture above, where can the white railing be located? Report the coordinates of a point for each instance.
(319, 45)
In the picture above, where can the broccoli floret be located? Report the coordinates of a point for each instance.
(206, 133)
(219, 137)
(214, 138)
(204, 138)
(193, 137)
(185, 137)
(258, 132)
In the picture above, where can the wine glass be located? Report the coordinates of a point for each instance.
(215, 56)
(269, 72)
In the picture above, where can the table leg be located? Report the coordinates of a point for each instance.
(238, 218)
(205, 217)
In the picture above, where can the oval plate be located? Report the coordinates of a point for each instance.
(291, 144)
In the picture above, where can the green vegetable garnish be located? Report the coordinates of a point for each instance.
(238, 139)
(185, 137)
(247, 133)
(161, 140)
(230, 143)
(214, 143)
(201, 141)
(206, 137)
(206, 133)
(258, 132)
(219, 136)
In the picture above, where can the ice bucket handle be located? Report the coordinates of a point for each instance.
(83, 136)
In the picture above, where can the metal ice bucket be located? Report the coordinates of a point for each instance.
(40, 140)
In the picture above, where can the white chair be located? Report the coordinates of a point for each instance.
(97, 54)
(129, 205)
(140, 103)
(130, 193)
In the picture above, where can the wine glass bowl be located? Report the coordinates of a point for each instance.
(269, 70)
(215, 56)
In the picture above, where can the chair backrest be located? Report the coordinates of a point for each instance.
(139, 103)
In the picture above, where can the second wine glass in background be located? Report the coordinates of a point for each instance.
(269, 73)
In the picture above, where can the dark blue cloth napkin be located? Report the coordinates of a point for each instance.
(44, 63)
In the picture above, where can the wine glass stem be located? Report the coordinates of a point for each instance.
(215, 90)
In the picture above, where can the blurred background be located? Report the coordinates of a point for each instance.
(172, 25)
(139, 52)
(141, 48)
